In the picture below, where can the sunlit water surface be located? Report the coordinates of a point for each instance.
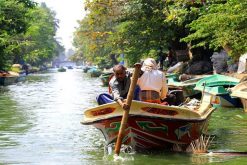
(40, 124)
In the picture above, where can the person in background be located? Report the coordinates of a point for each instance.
(152, 82)
(172, 60)
(25, 68)
(161, 58)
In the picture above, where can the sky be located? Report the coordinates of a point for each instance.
(68, 12)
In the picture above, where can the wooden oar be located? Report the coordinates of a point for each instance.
(126, 112)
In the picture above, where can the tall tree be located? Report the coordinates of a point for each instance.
(221, 25)
(13, 24)
(139, 27)
(91, 37)
(41, 44)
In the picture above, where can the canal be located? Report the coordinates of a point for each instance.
(40, 124)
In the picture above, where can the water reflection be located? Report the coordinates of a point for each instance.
(229, 128)
(12, 120)
(51, 105)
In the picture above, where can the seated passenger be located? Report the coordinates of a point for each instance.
(152, 83)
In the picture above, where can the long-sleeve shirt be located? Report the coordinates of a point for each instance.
(120, 88)
(154, 80)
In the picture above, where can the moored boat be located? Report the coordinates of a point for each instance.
(152, 126)
(94, 72)
(240, 91)
(22, 77)
(61, 69)
(187, 85)
(7, 79)
(16, 69)
(86, 68)
(217, 85)
(105, 77)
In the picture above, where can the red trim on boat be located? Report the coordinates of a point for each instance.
(102, 111)
(159, 111)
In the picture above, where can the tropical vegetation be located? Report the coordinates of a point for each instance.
(27, 33)
(140, 28)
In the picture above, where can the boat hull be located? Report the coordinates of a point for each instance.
(217, 86)
(152, 126)
(225, 100)
(151, 133)
(105, 78)
(8, 80)
(240, 91)
(94, 72)
(244, 102)
(21, 79)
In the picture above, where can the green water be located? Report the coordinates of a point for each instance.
(40, 124)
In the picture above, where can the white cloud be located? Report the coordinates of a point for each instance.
(68, 12)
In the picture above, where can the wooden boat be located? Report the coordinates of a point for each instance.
(86, 68)
(187, 86)
(152, 126)
(94, 72)
(7, 79)
(240, 91)
(217, 85)
(104, 77)
(61, 69)
(70, 67)
(22, 77)
(16, 69)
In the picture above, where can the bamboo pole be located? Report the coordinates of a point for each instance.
(126, 112)
(203, 91)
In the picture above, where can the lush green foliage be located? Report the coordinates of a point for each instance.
(41, 45)
(91, 38)
(13, 24)
(222, 25)
(138, 28)
(27, 33)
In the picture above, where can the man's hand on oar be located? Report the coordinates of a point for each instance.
(127, 107)
(123, 104)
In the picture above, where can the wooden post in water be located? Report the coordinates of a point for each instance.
(126, 112)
